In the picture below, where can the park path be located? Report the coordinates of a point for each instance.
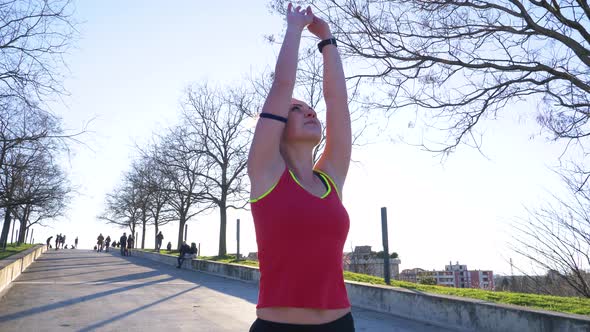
(82, 290)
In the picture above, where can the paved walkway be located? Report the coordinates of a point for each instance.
(79, 290)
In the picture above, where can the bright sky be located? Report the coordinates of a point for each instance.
(128, 73)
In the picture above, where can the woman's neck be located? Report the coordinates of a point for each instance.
(299, 160)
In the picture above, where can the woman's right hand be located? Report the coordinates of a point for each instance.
(297, 18)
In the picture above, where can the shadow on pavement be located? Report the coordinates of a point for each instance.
(44, 259)
(53, 277)
(109, 320)
(209, 280)
(69, 267)
(69, 302)
(129, 277)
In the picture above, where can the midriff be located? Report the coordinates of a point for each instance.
(290, 315)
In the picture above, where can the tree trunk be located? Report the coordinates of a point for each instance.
(156, 236)
(143, 234)
(181, 230)
(222, 229)
(23, 231)
(133, 234)
(12, 234)
(5, 227)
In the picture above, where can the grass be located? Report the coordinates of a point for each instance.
(230, 259)
(12, 249)
(162, 251)
(574, 305)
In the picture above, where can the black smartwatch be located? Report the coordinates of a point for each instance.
(331, 41)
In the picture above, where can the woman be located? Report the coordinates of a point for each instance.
(301, 224)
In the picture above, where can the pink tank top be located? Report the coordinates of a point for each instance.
(300, 243)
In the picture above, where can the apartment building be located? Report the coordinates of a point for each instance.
(454, 275)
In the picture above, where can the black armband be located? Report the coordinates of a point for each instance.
(273, 117)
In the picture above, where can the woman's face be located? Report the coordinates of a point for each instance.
(302, 125)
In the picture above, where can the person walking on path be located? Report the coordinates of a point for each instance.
(57, 241)
(63, 241)
(184, 249)
(159, 239)
(100, 242)
(306, 198)
(123, 243)
(76, 242)
(130, 244)
(107, 242)
(49, 242)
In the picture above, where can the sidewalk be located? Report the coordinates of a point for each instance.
(78, 290)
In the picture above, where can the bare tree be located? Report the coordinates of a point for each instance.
(26, 131)
(137, 179)
(556, 238)
(158, 186)
(181, 164)
(122, 207)
(217, 131)
(34, 35)
(45, 190)
(30, 183)
(459, 61)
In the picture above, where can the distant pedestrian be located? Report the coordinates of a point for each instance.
(49, 242)
(63, 241)
(100, 242)
(169, 246)
(76, 242)
(184, 249)
(57, 241)
(123, 243)
(130, 244)
(159, 239)
(107, 242)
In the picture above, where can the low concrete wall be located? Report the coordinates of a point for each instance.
(12, 266)
(231, 271)
(462, 314)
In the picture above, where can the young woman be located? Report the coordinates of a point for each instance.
(301, 224)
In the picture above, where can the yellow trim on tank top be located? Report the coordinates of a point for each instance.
(328, 191)
(254, 200)
(331, 181)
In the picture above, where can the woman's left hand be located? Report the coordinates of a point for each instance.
(319, 28)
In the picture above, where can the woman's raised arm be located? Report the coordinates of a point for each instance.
(264, 161)
(336, 156)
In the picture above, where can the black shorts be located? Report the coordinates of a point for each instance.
(343, 324)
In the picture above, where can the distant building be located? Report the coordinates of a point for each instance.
(365, 261)
(411, 275)
(454, 275)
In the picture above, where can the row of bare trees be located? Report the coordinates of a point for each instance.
(34, 34)
(194, 167)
